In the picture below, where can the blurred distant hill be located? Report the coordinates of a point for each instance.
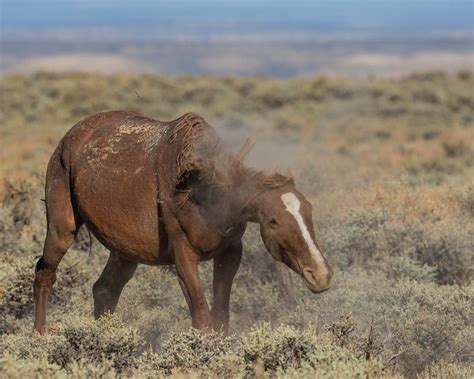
(273, 48)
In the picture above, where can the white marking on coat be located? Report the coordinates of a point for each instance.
(292, 205)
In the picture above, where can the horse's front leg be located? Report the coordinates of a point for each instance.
(187, 261)
(225, 267)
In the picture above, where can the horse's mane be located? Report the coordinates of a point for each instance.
(202, 153)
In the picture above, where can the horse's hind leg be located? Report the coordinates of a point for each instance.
(117, 272)
(62, 227)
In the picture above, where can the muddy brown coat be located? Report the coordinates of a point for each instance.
(168, 193)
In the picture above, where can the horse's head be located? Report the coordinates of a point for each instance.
(287, 230)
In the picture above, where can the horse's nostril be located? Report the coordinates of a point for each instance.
(310, 276)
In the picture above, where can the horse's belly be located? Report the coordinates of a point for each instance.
(122, 212)
(145, 249)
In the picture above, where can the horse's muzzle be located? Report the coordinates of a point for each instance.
(317, 280)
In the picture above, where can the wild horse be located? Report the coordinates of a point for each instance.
(168, 193)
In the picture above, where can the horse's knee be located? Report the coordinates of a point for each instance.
(44, 277)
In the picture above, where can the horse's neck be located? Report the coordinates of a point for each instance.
(236, 206)
(233, 207)
(245, 198)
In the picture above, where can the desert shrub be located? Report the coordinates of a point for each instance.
(227, 365)
(107, 338)
(22, 220)
(31, 346)
(223, 365)
(158, 323)
(426, 322)
(343, 368)
(247, 301)
(352, 242)
(342, 330)
(9, 235)
(404, 267)
(153, 302)
(280, 348)
(16, 288)
(16, 292)
(256, 279)
(84, 240)
(73, 281)
(15, 368)
(79, 339)
(24, 198)
(443, 370)
(255, 258)
(269, 94)
(466, 199)
(190, 350)
(84, 369)
(376, 237)
(415, 322)
(450, 251)
(264, 351)
(154, 287)
(302, 353)
(429, 321)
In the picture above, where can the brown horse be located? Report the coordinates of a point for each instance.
(168, 193)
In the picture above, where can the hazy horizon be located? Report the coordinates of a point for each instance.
(347, 37)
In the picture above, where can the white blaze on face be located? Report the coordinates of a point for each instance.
(292, 205)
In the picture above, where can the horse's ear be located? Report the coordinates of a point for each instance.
(277, 180)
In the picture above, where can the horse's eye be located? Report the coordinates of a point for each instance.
(273, 222)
